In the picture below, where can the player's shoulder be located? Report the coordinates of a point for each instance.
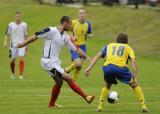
(112, 44)
(24, 23)
(127, 46)
(66, 34)
(11, 23)
(88, 22)
(52, 28)
(45, 30)
(49, 29)
(74, 20)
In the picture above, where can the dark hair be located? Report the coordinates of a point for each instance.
(122, 38)
(65, 19)
(18, 12)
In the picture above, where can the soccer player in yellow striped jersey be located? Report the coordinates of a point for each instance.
(80, 30)
(115, 68)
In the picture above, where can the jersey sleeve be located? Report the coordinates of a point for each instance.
(104, 51)
(131, 53)
(70, 44)
(89, 28)
(9, 28)
(45, 33)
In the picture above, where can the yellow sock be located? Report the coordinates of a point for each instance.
(140, 96)
(76, 74)
(70, 67)
(103, 96)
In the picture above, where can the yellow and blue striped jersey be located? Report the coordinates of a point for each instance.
(117, 54)
(80, 31)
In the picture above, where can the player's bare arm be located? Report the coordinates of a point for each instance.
(134, 67)
(92, 63)
(5, 41)
(28, 41)
(89, 36)
(26, 36)
(80, 52)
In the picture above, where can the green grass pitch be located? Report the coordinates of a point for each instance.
(31, 95)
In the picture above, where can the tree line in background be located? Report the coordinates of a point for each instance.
(104, 2)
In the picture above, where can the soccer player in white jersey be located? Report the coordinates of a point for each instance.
(54, 39)
(17, 31)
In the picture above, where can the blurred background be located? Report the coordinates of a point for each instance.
(152, 3)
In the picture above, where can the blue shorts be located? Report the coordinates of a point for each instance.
(112, 73)
(75, 55)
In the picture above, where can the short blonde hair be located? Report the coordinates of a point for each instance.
(82, 8)
(18, 12)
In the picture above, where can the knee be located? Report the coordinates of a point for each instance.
(59, 83)
(21, 59)
(68, 78)
(78, 65)
(108, 86)
(133, 84)
(12, 61)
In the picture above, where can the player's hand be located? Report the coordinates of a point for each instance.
(90, 36)
(5, 45)
(87, 72)
(26, 48)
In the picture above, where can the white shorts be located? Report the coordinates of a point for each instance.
(52, 66)
(14, 52)
(57, 71)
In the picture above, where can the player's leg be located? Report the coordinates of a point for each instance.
(75, 87)
(55, 73)
(12, 55)
(55, 92)
(21, 53)
(75, 66)
(72, 66)
(21, 67)
(78, 62)
(138, 91)
(109, 77)
(12, 66)
(125, 76)
(103, 95)
(60, 73)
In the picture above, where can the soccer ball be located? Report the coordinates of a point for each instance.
(113, 97)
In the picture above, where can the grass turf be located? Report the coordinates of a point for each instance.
(31, 96)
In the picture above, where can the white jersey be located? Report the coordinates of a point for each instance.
(54, 41)
(17, 32)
